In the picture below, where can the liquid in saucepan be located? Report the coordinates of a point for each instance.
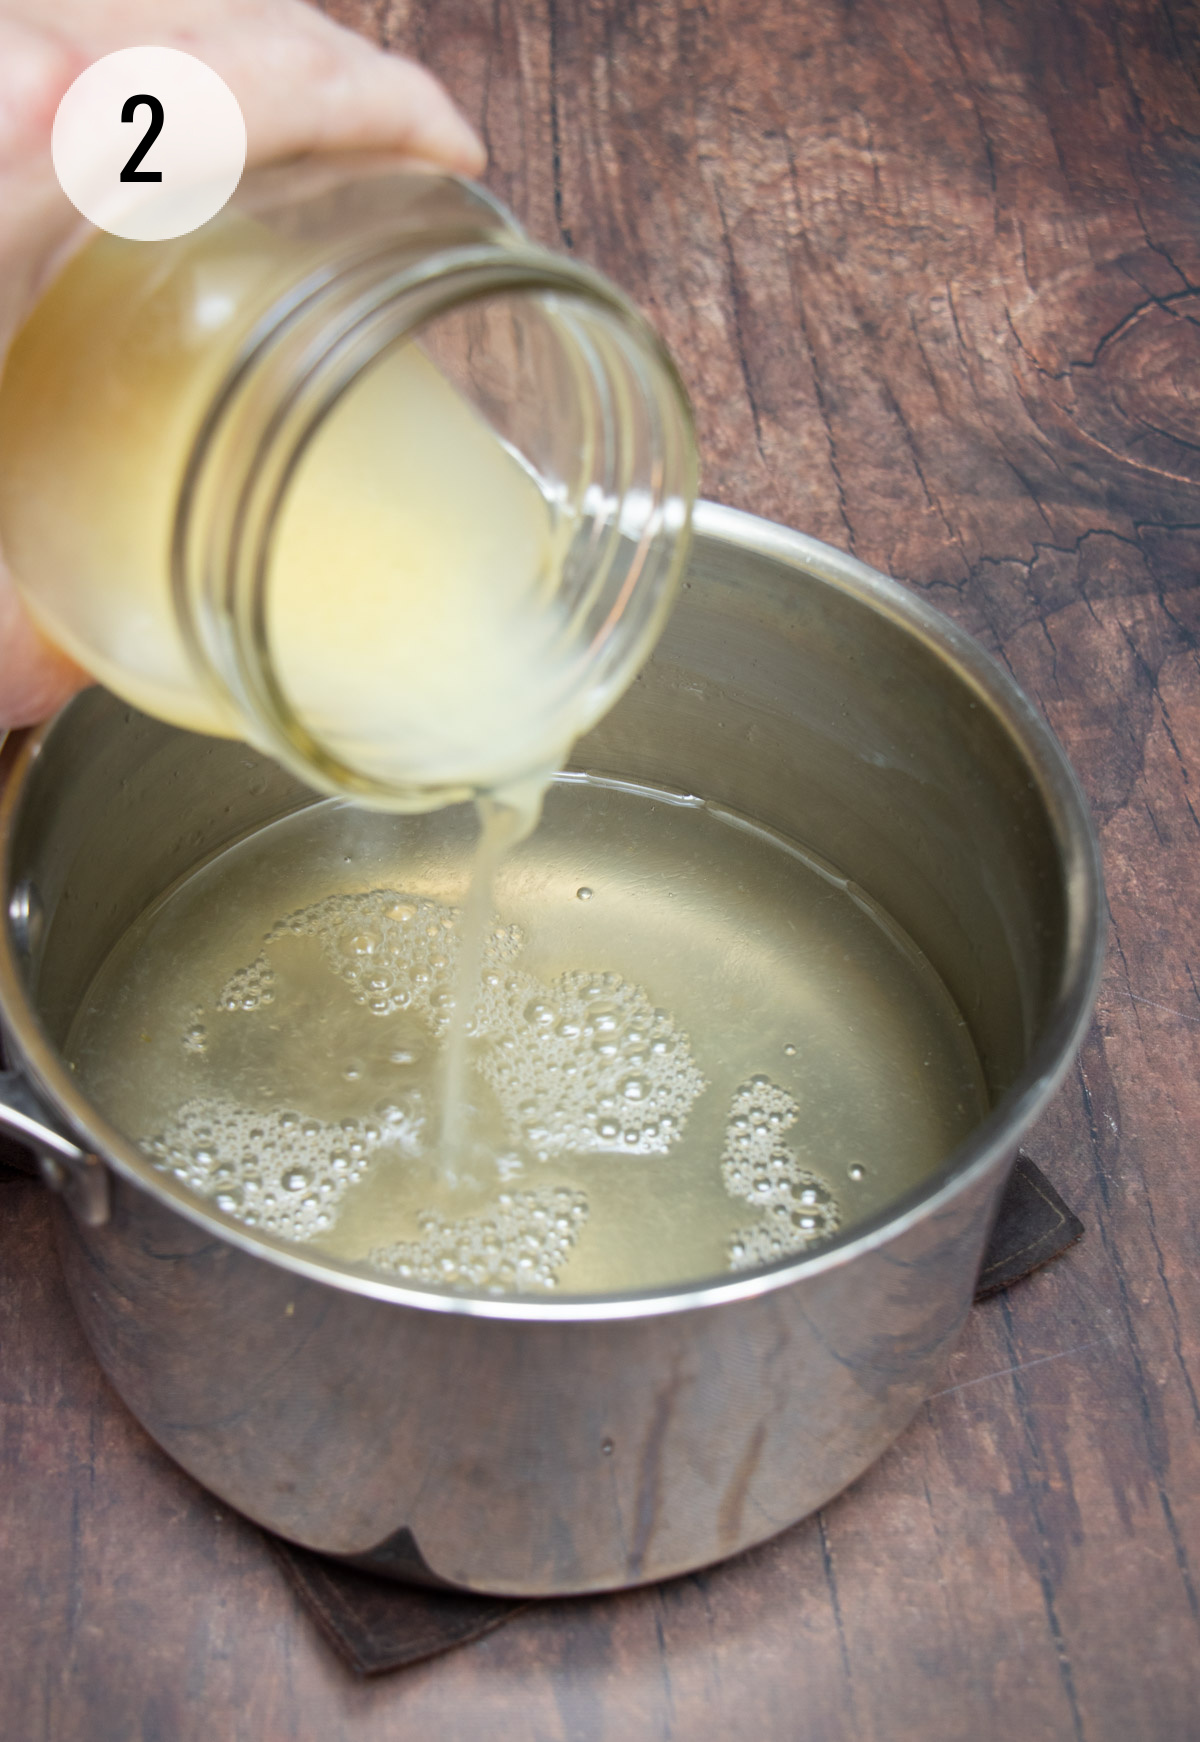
(688, 1048)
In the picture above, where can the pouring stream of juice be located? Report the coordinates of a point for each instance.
(454, 558)
(501, 826)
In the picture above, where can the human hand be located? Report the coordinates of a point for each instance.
(304, 85)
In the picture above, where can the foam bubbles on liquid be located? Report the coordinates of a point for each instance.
(798, 1208)
(395, 952)
(587, 1065)
(518, 1244)
(248, 987)
(278, 1171)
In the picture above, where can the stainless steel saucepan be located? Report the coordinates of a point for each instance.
(537, 1446)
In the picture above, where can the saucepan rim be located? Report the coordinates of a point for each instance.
(994, 1139)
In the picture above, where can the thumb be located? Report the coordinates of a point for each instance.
(35, 677)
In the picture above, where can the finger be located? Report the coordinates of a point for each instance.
(35, 678)
(304, 83)
(353, 97)
(35, 215)
(37, 69)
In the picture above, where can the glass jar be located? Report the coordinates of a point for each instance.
(355, 472)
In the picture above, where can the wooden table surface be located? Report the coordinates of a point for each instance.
(929, 270)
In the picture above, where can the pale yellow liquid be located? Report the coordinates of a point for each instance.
(100, 400)
(692, 1048)
(411, 601)
(412, 610)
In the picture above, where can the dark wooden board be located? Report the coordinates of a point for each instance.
(930, 271)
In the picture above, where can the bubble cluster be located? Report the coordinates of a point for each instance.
(798, 1208)
(248, 987)
(755, 1163)
(394, 951)
(587, 1064)
(279, 1171)
(519, 1243)
(780, 1232)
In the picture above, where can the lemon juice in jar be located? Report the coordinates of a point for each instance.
(355, 472)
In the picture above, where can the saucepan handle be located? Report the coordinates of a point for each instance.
(81, 1178)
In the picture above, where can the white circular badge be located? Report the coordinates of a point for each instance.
(149, 143)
